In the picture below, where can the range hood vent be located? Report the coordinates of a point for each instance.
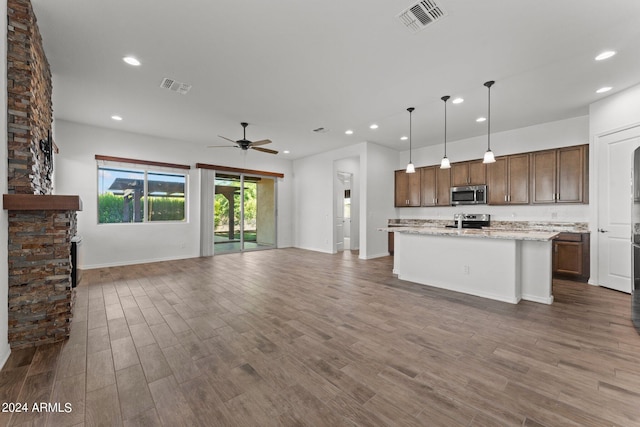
(419, 15)
(175, 86)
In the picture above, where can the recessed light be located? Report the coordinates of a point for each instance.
(373, 126)
(116, 118)
(404, 138)
(604, 89)
(131, 61)
(349, 132)
(458, 101)
(286, 151)
(605, 55)
(481, 119)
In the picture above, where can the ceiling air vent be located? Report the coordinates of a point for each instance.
(417, 16)
(321, 130)
(175, 86)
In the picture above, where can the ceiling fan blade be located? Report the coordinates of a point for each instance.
(265, 150)
(222, 146)
(228, 139)
(261, 142)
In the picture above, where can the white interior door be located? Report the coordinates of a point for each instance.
(615, 166)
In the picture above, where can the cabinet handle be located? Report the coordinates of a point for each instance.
(505, 197)
(434, 201)
(509, 198)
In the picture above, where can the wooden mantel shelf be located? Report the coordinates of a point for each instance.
(35, 202)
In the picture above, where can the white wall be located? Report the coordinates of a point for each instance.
(121, 244)
(379, 166)
(615, 112)
(313, 179)
(561, 133)
(4, 223)
(314, 201)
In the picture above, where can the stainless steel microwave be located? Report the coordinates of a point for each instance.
(469, 195)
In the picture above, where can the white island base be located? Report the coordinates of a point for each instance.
(501, 266)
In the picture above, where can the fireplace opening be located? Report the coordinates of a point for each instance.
(76, 242)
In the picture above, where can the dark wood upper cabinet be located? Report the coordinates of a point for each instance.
(497, 182)
(435, 186)
(560, 175)
(518, 178)
(571, 174)
(543, 176)
(407, 189)
(443, 188)
(508, 180)
(468, 173)
(428, 183)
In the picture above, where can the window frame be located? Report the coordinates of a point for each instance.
(145, 167)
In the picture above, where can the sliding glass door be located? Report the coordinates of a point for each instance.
(244, 213)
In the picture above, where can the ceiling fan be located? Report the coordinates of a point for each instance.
(245, 144)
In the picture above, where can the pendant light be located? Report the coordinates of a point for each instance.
(488, 156)
(445, 161)
(410, 167)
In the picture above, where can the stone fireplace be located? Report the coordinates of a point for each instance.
(41, 224)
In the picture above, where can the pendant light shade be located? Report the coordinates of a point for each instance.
(410, 167)
(488, 156)
(445, 164)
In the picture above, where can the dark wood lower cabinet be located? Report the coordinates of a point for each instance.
(571, 256)
(391, 243)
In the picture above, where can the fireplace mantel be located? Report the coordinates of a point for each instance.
(35, 202)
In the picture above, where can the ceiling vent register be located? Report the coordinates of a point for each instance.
(419, 15)
(175, 86)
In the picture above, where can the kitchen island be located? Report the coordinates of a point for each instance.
(497, 264)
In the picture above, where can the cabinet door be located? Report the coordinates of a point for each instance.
(567, 258)
(443, 187)
(497, 182)
(414, 188)
(401, 189)
(428, 186)
(459, 174)
(477, 173)
(518, 176)
(570, 176)
(543, 176)
(407, 189)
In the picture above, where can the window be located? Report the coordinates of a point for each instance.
(140, 191)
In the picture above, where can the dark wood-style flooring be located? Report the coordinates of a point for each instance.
(297, 338)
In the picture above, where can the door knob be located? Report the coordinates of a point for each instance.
(602, 230)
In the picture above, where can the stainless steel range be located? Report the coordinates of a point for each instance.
(470, 221)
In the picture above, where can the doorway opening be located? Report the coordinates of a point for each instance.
(244, 213)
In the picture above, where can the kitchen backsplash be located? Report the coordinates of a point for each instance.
(576, 227)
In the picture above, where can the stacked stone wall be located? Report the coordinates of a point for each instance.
(40, 292)
(30, 112)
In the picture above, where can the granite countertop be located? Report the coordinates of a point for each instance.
(475, 233)
(513, 226)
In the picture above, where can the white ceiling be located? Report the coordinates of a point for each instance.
(290, 66)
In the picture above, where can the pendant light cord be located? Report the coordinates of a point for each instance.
(445, 99)
(488, 85)
(410, 110)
